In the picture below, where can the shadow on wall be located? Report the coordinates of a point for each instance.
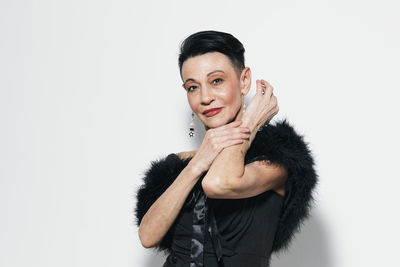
(310, 248)
(156, 259)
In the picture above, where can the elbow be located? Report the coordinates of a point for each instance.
(215, 188)
(208, 190)
(145, 240)
(146, 244)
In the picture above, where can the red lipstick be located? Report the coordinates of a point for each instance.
(212, 111)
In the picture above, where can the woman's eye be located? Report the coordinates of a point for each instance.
(190, 87)
(219, 80)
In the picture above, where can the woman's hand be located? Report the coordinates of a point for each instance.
(262, 107)
(215, 140)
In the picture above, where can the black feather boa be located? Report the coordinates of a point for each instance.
(277, 143)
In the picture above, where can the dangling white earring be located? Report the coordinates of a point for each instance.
(244, 107)
(191, 128)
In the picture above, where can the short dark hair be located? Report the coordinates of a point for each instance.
(203, 42)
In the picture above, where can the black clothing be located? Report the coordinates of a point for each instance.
(246, 230)
(242, 232)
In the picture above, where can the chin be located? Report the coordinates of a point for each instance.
(214, 123)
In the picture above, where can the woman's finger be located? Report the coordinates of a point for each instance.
(234, 136)
(229, 141)
(217, 131)
(230, 131)
(259, 87)
(268, 89)
(263, 87)
(231, 125)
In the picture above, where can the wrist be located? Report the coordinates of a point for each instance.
(246, 122)
(253, 131)
(195, 168)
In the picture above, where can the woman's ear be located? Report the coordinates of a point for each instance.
(245, 81)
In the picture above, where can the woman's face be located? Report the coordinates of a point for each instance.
(211, 82)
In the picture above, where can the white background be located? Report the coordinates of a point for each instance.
(90, 93)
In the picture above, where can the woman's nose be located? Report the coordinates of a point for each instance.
(206, 96)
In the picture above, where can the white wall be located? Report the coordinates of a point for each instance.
(90, 93)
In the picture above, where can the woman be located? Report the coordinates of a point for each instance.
(244, 192)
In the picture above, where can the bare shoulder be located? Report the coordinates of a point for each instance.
(186, 154)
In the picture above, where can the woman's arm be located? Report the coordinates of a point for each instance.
(227, 175)
(228, 165)
(159, 217)
(162, 214)
(229, 178)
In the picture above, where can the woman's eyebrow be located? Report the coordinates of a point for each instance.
(208, 74)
